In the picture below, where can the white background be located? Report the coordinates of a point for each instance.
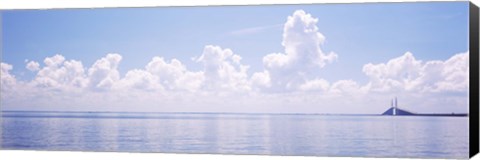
(45, 4)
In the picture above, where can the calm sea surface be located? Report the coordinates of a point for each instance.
(306, 135)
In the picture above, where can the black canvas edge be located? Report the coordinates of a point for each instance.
(474, 80)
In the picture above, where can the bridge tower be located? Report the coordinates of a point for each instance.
(395, 107)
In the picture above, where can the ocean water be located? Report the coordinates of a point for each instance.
(265, 134)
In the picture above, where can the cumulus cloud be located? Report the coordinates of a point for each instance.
(141, 80)
(347, 87)
(315, 85)
(223, 70)
(190, 81)
(7, 80)
(301, 40)
(174, 75)
(168, 72)
(260, 80)
(454, 74)
(60, 74)
(103, 73)
(33, 66)
(406, 73)
(395, 74)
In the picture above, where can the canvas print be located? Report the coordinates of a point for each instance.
(367, 80)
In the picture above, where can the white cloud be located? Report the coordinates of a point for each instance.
(223, 70)
(347, 87)
(190, 81)
(54, 61)
(174, 75)
(301, 40)
(315, 85)
(7, 80)
(405, 73)
(169, 83)
(455, 74)
(75, 73)
(168, 73)
(253, 30)
(395, 74)
(33, 66)
(260, 80)
(141, 80)
(103, 73)
(60, 74)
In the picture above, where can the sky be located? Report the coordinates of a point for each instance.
(330, 58)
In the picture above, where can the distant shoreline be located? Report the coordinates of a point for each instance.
(80, 114)
(395, 111)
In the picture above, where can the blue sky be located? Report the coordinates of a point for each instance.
(370, 32)
(358, 33)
